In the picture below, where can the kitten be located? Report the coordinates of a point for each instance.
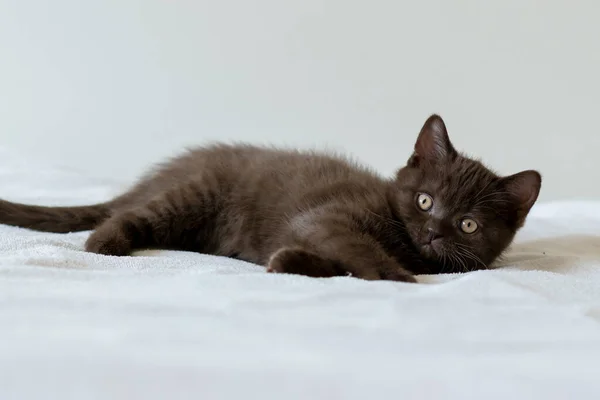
(310, 213)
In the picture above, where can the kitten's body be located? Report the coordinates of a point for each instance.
(249, 198)
(302, 212)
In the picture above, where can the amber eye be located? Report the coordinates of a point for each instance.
(467, 225)
(424, 201)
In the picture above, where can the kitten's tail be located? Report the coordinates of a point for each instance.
(53, 219)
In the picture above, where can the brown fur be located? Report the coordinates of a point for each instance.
(309, 213)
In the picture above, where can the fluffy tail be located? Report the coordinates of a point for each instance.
(53, 219)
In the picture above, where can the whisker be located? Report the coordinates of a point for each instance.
(457, 263)
(461, 260)
(466, 252)
(386, 219)
(482, 190)
(443, 262)
(496, 193)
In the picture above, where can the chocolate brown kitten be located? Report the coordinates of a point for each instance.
(309, 213)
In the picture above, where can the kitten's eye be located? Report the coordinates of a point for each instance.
(467, 225)
(424, 201)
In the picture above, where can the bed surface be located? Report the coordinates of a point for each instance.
(177, 325)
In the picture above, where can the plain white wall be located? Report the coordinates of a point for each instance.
(111, 87)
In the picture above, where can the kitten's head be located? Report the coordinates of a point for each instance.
(458, 213)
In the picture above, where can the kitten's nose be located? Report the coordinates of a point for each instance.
(433, 235)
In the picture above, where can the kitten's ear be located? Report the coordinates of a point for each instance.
(524, 188)
(433, 143)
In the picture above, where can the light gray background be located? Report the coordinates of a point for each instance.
(112, 86)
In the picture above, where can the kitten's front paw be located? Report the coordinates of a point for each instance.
(398, 275)
(300, 262)
(108, 243)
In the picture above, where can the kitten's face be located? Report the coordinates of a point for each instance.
(458, 213)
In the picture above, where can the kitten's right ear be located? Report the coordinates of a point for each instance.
(433, 143)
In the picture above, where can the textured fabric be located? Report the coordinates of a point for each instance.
(176, 325)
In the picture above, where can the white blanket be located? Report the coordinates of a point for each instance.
(180, 325)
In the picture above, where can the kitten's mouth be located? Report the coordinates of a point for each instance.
(428, 250)
(431, 249)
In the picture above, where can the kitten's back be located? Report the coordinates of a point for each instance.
(267, 181)
(246, 169)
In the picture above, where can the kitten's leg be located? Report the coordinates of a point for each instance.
(167, 221)
(301, 262)
(329, 249)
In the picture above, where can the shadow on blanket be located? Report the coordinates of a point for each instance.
(556, 254)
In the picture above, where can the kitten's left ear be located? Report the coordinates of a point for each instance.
(433, 143)
(524, 188)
